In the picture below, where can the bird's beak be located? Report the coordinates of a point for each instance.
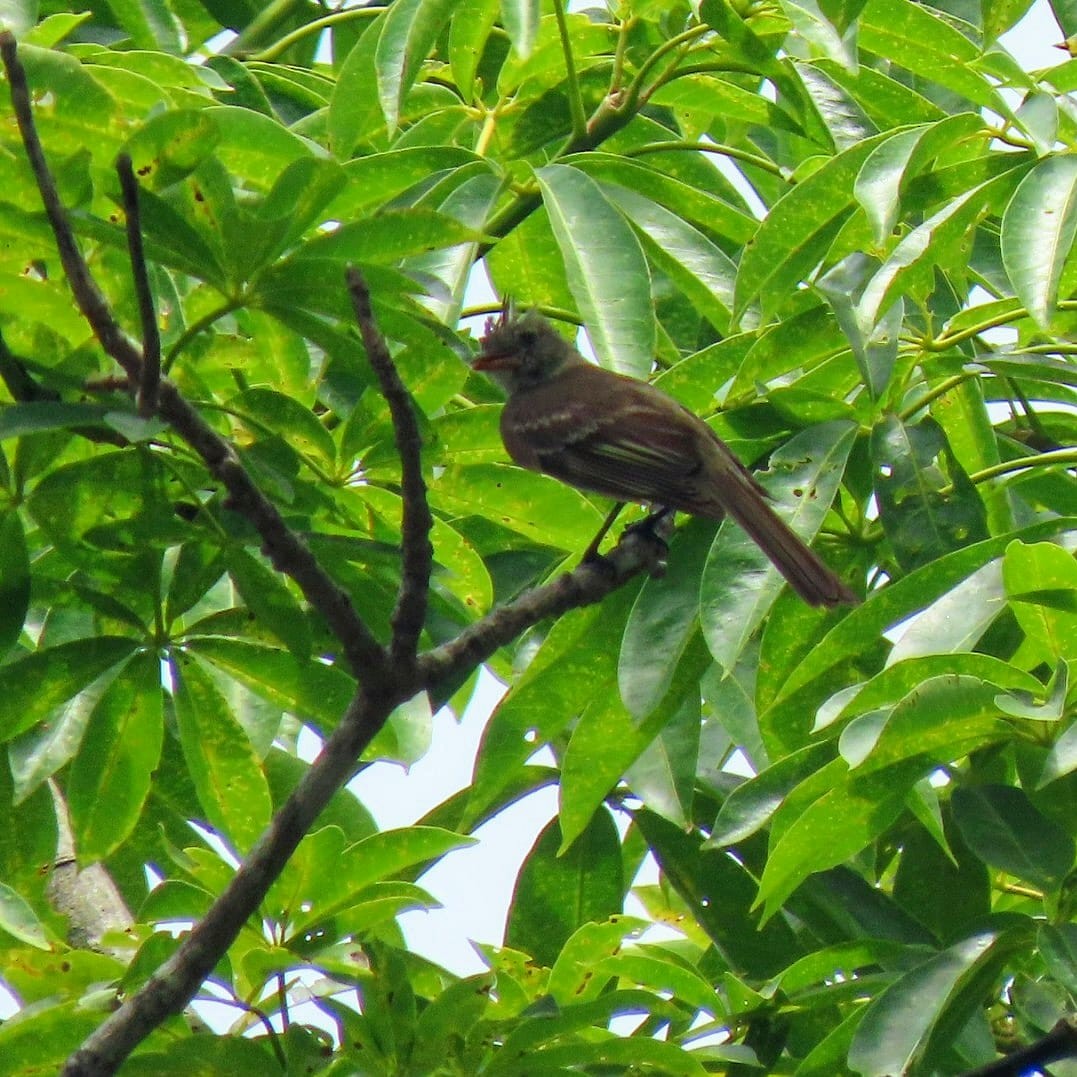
(495, 361)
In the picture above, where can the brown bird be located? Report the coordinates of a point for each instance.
(626, 439)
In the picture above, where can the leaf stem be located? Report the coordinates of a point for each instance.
(934, 393)
(575, 98)
(271, 52)
(1052, 458)
(200, 325)
(722, 149)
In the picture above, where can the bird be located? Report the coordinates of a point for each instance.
(621, 437)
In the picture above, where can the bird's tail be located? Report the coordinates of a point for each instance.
(807, 574)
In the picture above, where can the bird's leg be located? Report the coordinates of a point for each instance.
(591, 553)
(654, 523)
(656, 527)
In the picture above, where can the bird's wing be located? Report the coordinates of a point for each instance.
(640, 449)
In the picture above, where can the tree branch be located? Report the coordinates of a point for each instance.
(284, 548)
(1059, 1043)
(151, 336)
(92, 303)
(173, 985)
(417, 553)
(387, 679)
(639, 550)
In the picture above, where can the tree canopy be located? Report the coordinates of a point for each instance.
(841, 232)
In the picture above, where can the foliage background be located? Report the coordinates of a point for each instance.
(887, 331)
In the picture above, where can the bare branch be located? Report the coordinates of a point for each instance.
(151, 336)
(638, 550)
(91, 302)
(1059, 1043)
(417, 553)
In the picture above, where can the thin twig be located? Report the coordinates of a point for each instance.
(151, 335)
(92, 303)
(417, 553)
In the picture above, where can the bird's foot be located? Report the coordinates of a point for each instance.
(654, 529)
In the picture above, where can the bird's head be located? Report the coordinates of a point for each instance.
(524, 352)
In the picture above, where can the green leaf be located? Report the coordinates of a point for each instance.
(663, 775)
(696, 205)
(718, 891)
(469, 39)
(471, 204)
(310, 690)
(1032, 572)
(1058, 946)
(909, 269)
(835, 827)
(407, 36)
(1040, 705)
(1000, 15)
(521, 19)
(329, 876)
(41, 1040)
(35, 685)
(750, 806)
(170, 146)
(111, 775)
(606, 743)
(392, 235)
(606, 267)
(558, 892)
(902, 677)
(1003, 827)
(114, 500)
(355, 110)
(19, 920)
(575, 655)
(697, 266)
(942, 883)
(898, 1024)
(943, 718)
(270, 601)
(884, 176)
(927, 505)
(536, 506)
(231, 787)
(739, 584)
(894, 603)
(667, 609)
(14, 580)
(927, 45)
(1062, 758)
(660, 973)
(796, 234)
(255, 146)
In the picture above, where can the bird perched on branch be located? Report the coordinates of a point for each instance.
(626, 439)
